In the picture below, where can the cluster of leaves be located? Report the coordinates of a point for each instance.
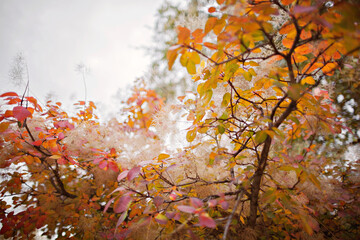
(253, 165)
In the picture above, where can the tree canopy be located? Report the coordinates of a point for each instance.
(248, 155)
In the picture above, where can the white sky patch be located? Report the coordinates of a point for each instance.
(55, 36)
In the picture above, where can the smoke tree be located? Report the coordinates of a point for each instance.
(255, 162)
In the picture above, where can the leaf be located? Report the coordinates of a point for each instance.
(211, 9)
(196, 202)
(158, 201)
(298, 9)
(314, 180)
(4, 126)
(226, 99)
(194, 57)
(212, 202)
(121, 219)
(21, 113)
(108, 204)
(133, 173)
(306, 225)
(210, 24)
(308, 80)
(183, 34)
(207, 96)
(187, 209)
(190, 135)
(260, 136)
(103, 164)
(122, 204)
(221, 128)
(171, 56)
(113, 166)
(287, 2)
(62, 161)
(206, 221)
(9, 94)
(161, 219)
(210, 45)
(191, 68)
(163, 156)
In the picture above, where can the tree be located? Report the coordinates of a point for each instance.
(257, 162)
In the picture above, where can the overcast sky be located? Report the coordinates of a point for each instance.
(56, 35)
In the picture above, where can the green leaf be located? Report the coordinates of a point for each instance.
(221, 128)
(260, 136)
(247, 76)
(226, 99)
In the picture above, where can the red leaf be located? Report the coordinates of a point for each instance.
(103, 164)
(187, 209)
(196, 203)
(121, 219)
(61, 160)
(206, 221)
(212, 203)
(112, 151)
(122, 175)
(122, 204)
(21, 113)
(8, 94)
(170, 215)
(113, 166)
(97, 160)
(224, 204)
(133, 173)
(61, 136)
(158, 201)
(108, 204)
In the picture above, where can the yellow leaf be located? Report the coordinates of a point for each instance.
(163, 156)
(194, 56)
(190, 135)
(190, 66)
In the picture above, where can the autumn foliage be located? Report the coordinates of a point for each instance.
(256, 161)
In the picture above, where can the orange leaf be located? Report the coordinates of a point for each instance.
(9, 94)
(171, 56)
(303, 49)
(183, 34)
(287, 2)
(287, 42)
(210, 24)
(305, 35)
(211, 9)
(210, 45)
(4, 126)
